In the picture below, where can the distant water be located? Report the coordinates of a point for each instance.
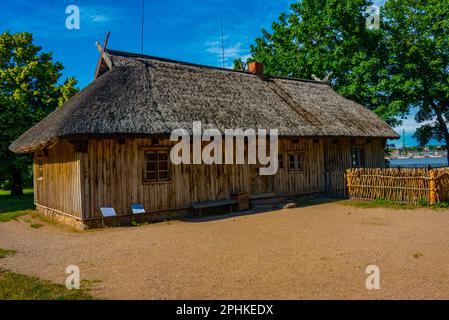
(419, 162)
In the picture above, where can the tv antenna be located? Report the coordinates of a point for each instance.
(222, 44)
(143, 15)
(403, 140)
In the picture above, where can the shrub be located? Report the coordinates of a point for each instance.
(423, 202)
(442, 204)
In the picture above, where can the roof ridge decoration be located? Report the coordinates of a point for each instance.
(103, 61)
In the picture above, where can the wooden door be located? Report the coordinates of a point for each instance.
(260, 184)
(336, 157)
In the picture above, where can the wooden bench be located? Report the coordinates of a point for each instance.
(200, 205)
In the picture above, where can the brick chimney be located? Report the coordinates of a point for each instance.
(255, 67)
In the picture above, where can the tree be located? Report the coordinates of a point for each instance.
(29, 90)
(417, 33)
(322, 37)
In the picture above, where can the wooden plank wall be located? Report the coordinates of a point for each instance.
(111, 174)
(375, 153)
(311, 179)
(338, 158)
(60, 188)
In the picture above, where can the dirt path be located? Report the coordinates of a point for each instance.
(317, 252)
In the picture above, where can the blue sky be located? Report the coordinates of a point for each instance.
(178, 29)
(187, 30)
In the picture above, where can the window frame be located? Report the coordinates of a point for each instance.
(157, 161)
(299, 163)
(362, 157)
(40, 168)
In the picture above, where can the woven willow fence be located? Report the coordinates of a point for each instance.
(399, 185)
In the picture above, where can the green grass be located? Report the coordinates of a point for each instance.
(377, 204)
(442, 205)
(13, 207)
(15, 286)
(6, 252)
(382, 203)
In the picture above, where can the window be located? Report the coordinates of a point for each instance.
(157, 166)
(357, 157)
(295, 161)
(40, 169)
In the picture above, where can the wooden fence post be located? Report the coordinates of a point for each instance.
(348, 177)
(432, 187)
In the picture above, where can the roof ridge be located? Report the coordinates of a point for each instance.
(122, 101)
(145, 56)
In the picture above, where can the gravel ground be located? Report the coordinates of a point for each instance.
(316, 252)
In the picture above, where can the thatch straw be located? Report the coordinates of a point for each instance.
(144, 95)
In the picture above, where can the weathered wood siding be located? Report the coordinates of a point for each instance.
(60, 187)
(309, 180)
(110, 174)
(113, 176)
(337, 158)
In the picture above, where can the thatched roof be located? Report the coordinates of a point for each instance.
(144, 95)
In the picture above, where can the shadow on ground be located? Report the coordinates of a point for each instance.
(299, 203)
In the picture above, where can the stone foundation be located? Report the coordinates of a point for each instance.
(61, 218)
(119, 221)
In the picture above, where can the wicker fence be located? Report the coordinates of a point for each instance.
(399, 185)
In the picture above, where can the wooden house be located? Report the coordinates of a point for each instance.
(108, 146)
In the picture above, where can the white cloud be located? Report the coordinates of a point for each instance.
(98, 18)
(230, 52)
(49, 22)
(409, 125)
(94, 15)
